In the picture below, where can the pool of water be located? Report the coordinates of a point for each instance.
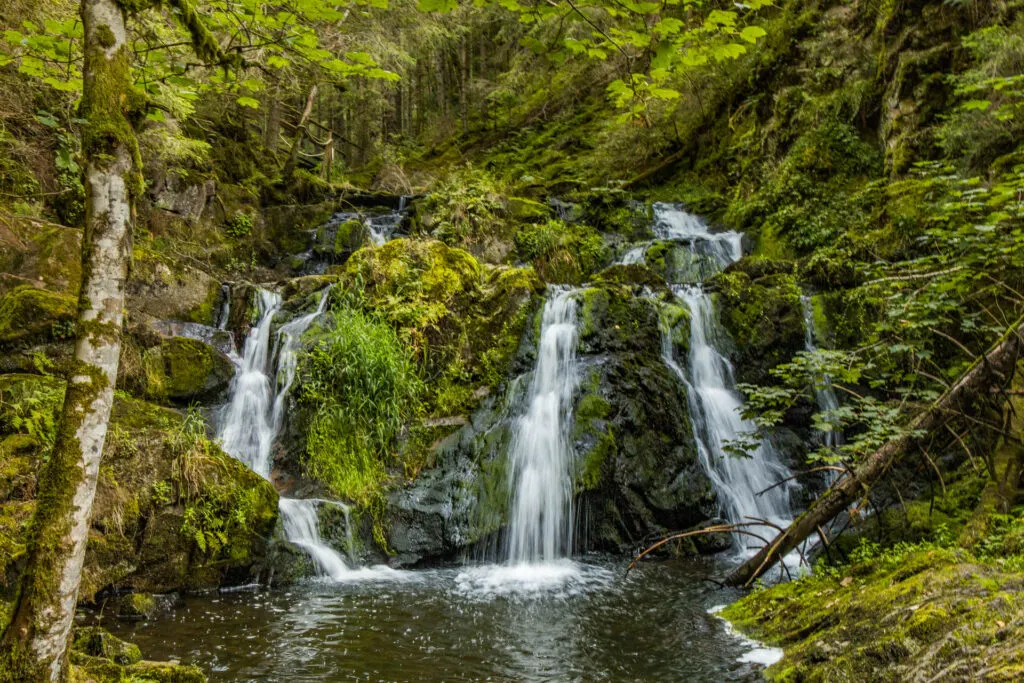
(563, 621)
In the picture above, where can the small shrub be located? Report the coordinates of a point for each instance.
(238, 226)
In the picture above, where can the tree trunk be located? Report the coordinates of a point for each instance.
(273, 130)
(300, 134)
(34, 646)
(997, 365)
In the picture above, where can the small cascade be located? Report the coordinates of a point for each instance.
(302, 527)
(383, 226)
(225, 310)
(747, 487)
(824, 394)
(540, 519)
(634, 255)
(254, 416)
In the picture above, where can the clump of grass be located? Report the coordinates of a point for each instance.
(360, 387)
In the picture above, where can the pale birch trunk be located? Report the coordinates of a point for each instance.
(36, 640)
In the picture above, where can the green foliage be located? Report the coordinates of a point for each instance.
(562, 252)
(991, 97)
(465, 209)
(239, 226)
(359, 388)
(32, 408)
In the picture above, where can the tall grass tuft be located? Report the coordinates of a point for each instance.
(359, 387)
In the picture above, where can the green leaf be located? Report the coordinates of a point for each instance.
(752, 33)
(250, 102)
(979, 105)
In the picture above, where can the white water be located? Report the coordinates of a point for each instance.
(254, 417)
(634, 255)
(748, 488)
(539, 535)
(824, 394)
(247, 430)
(539, 523)
(302, 527)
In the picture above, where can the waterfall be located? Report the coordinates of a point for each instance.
(540, 520)
(254, 416)
(302, 527)
(247, 431)
(824, 394)
(746, 486)
(224, 316)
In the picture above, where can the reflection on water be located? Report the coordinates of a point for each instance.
(571, 622)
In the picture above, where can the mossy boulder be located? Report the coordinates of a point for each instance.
(31, 316)
(99, 657)
(764, 318)
(42, 254)
(350, 237)
(637, 469)
(172, 511)
(164, 288)
(565, 253)
(183, 370)
(917, 614)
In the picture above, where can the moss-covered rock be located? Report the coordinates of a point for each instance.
(161, 287)
(914, 615)
(39, 253)
(172, 511)
(182, 369)
(764, 318)
(29, 315)
(99, 657)
(350, 237)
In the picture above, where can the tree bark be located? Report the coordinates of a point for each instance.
(34, 646)
(300, 134)
(996, 365)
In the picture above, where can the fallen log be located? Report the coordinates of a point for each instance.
(995, 366)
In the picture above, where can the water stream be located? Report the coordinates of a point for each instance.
(748, 486)
(824, 394)
(255, 415)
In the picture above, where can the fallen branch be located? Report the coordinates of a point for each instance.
(997, 363)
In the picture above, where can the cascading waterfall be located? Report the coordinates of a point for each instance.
(247, 430)
(254, 417)
(747, 487)
(824, 394)
(540, 520)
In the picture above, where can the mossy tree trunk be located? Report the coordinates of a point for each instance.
(34, 646)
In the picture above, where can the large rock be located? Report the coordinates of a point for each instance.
(635, 469)
(162, 287)
(172, 511)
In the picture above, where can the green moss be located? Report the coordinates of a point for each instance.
(591, 472)
(351, 236)
(28, 314)
(562, 252)
(887, 618)
(184, 369)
